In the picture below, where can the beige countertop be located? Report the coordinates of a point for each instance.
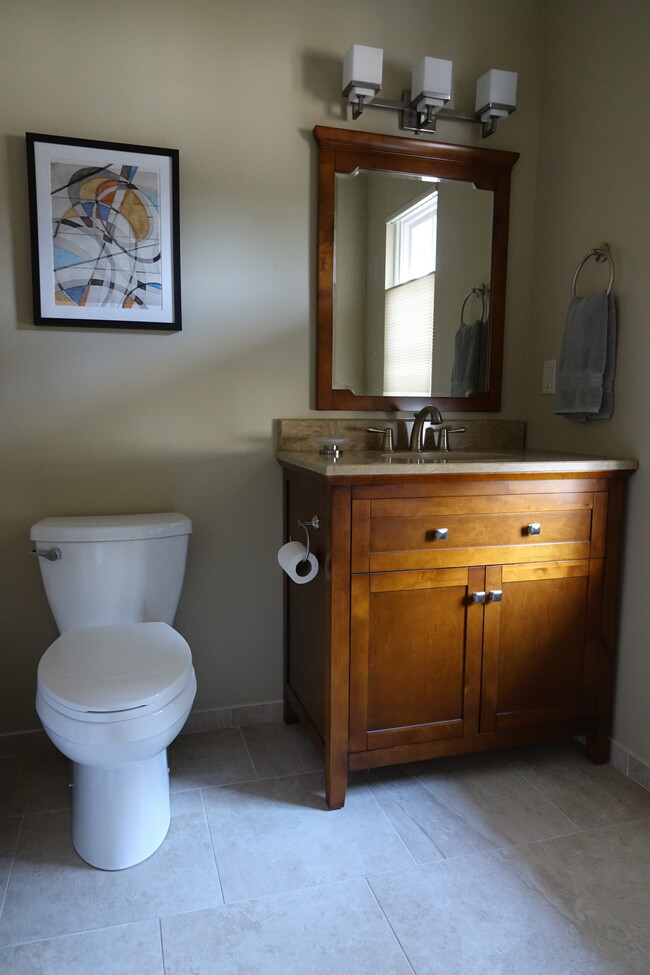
(364, 463)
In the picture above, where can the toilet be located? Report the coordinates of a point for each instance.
(117, 685)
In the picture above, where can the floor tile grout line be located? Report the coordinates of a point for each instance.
(19, 835)
(94, 929)
(644, 951)
(178, 791)
(595, 829)
(390, 823)
(440, 798)
(288, 891)
(214, 852)
(442, 856)
(250, 757)
(162, 948)
(524, 777)
(289, 775)
(580, 829)
(368, 875)
(394, 933)
(236, 782)
(531, 785)
(471, 854)
(39, 812)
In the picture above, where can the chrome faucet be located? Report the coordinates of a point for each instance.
(431, 413)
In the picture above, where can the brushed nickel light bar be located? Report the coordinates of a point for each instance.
(424, 104)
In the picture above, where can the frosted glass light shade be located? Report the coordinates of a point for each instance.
(362, 70)
(496, 94)
(431, 83)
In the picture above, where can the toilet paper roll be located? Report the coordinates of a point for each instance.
(292, 559)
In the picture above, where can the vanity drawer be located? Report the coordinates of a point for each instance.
(421, 533)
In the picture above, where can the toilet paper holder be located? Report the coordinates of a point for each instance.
(314, 522)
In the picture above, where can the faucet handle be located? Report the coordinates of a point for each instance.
(387, 437)
(444, 436)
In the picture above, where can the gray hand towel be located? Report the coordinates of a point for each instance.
(584, 386)
(469, 360)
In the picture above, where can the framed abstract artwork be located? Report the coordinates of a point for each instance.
(105, 234)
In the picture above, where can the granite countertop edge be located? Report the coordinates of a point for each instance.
(372, 462)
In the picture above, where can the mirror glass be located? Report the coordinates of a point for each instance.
(411, 273)
(410, 254)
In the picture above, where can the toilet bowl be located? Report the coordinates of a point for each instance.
(113, 696)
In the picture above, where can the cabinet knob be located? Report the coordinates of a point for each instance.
(478, 597)
(495, 595)
(440, 533)
(534, 528)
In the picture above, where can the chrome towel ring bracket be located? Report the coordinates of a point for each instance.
(601, 254)
(481, 292)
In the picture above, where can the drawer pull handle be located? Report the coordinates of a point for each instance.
(495, 595)
(440, 533)
(534, 528)
(478, 597)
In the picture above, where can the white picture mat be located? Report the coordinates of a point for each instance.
(47, 152)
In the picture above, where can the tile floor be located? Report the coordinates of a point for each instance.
(526, 862)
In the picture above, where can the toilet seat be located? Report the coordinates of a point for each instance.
(112, 673)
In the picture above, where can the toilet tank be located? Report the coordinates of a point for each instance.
(113, 568)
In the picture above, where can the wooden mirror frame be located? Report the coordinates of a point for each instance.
(343, 151)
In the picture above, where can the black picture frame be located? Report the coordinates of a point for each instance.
(104, 222)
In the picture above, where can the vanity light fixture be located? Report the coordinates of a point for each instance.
(424, 104)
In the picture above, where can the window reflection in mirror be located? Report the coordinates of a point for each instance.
(410, 296)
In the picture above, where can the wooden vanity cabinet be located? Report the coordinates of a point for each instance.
(453, 614)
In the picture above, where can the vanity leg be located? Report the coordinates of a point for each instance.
(289, 715)
(336, 783)
(598, 748)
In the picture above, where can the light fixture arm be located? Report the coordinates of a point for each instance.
(413, 121)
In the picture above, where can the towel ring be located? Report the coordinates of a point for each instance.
(601, 254)
(480, 292)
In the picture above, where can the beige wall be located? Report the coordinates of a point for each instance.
(593, 186)
(103, 421)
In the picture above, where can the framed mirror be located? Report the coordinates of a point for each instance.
(412, 255)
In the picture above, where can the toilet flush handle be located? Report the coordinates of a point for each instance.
(52, 554)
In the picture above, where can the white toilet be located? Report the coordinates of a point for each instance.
(117, 685)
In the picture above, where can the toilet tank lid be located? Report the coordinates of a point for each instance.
(104, 528)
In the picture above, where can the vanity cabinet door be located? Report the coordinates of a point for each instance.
(541, 642)
(415, 667)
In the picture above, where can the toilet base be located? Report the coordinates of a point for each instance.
(120, 816)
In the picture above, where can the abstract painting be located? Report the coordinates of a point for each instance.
(105, 236)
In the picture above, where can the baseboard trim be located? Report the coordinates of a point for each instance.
(212, 719)
(35, 741)
(630, 764)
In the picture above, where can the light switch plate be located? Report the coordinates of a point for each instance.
(548, 376)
